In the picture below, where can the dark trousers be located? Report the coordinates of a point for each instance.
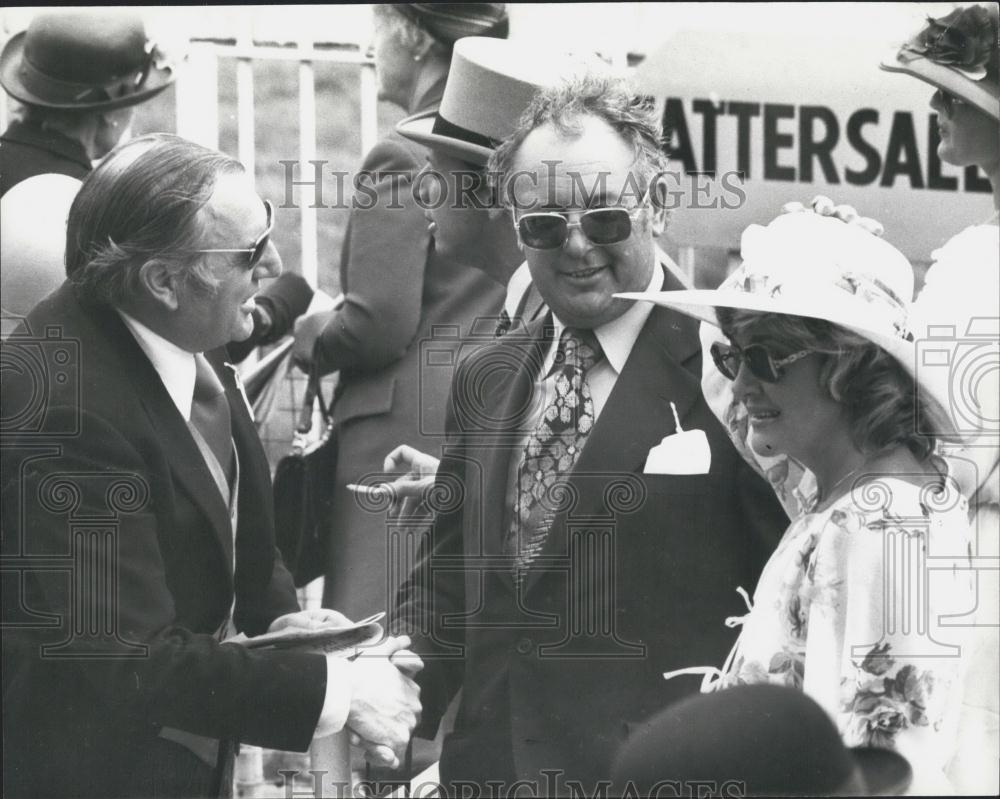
(175, 772)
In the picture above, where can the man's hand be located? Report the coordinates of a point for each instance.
(310, 620)
(307, 330)
(385, 701)
(410, 489)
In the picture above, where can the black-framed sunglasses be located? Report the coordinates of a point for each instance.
(757, 358)
(549, 230)
(257, 250)
(948, 101)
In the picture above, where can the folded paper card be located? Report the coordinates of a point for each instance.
(682, 452)
(329, 640)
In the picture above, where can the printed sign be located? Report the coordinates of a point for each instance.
(754, 121)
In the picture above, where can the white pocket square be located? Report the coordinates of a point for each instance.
(686, 452)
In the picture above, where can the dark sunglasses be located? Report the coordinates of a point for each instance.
(257, 250)
(548, 230)
(948, 101)
(756, 357)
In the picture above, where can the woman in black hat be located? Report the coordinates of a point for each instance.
(79, 76)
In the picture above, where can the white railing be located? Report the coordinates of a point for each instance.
(198, 93)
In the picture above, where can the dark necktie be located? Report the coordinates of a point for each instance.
(553, 447)
(210, 415)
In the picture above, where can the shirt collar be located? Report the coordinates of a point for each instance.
(618, 336)
(176, 367)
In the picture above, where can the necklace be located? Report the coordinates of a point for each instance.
(822, 498)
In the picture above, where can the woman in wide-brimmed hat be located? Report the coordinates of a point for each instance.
(821, 356)
(959, 308)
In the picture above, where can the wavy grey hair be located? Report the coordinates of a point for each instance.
(590, 94)
(882, 401)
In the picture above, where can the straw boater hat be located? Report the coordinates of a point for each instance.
(806, 264)
(959, 53)
(83, 60)
(490, 83)
(759, 740)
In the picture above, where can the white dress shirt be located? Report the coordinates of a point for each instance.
(176, 368)
(616, 338)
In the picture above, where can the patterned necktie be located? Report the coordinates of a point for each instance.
(210, 414)
(553, 447)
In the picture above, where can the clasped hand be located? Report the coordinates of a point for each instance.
(385, 701)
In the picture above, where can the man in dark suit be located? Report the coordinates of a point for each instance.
(564, 573)
(399, 295)
(137, 518)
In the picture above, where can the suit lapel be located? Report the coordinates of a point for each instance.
(662, 368)
(186, 462)
(524, 350)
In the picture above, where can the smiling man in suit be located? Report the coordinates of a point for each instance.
(561, 578)
(137, 517)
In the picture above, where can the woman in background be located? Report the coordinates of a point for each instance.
(959, 56)
(400, 292)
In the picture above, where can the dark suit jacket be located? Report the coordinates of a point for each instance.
(395, 341)
(26, 151)
(636, 577)
(117, 571)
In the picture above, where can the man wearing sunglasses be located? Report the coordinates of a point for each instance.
(139, 496)
(584, 574)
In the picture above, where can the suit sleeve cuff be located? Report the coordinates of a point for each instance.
(337, 702)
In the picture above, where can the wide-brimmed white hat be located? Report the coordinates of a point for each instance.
(806, 264)
(957, 53)
(490, 84)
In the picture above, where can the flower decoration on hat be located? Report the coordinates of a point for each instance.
(965, 40)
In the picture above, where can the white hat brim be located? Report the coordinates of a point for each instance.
(985, 96)
(701, 304)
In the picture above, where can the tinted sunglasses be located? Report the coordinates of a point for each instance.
(257, 250)
(548, 230)
(757, 358)
(948, 101)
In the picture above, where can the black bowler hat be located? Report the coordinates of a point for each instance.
(449, 22)
(753, 740)
(83, 60)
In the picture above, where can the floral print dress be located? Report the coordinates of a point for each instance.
(861, 606)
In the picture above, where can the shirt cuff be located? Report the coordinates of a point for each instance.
(337, 702)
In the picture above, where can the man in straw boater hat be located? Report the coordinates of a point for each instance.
(820, 353)
(398, 290)
(591, 514)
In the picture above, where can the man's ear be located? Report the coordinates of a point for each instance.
(161, 283)
(508, 214)
(658, 199)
